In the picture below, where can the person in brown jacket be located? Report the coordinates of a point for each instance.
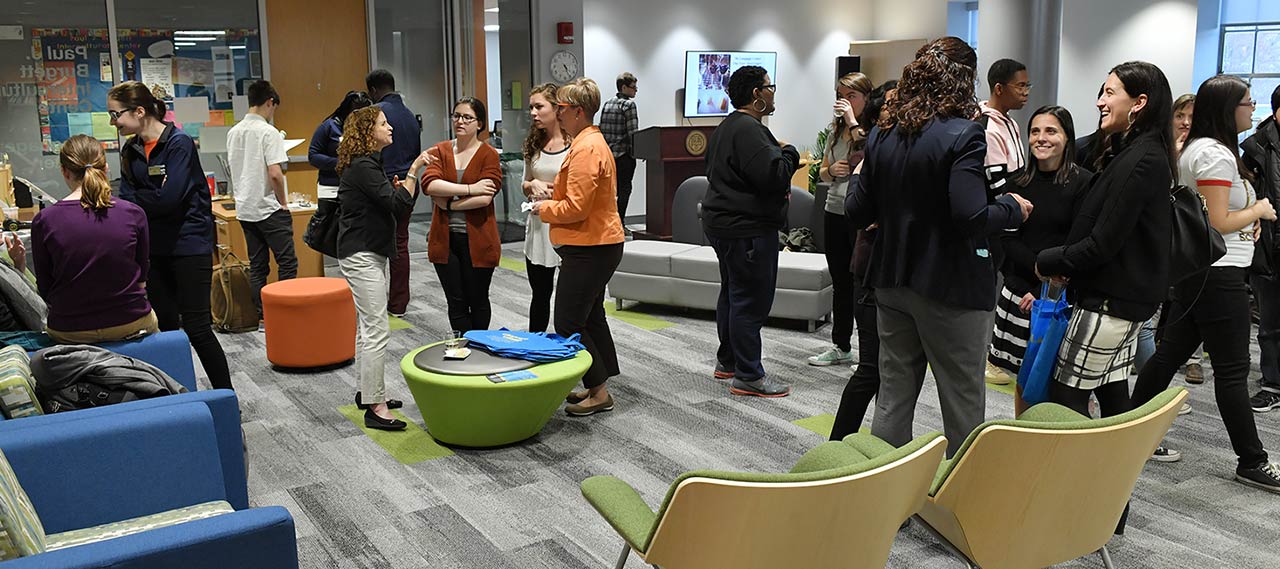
(587, 234)
(463, 241)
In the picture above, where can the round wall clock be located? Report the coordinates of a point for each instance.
(564, 66)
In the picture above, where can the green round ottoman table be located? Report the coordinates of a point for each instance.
(471, 411)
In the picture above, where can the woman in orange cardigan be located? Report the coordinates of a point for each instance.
(587, 234)
(463, 241)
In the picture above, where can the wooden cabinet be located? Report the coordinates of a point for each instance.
(230, 234)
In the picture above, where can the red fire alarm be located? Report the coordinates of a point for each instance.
(564, 32)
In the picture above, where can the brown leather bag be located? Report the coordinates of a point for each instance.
(231, 296)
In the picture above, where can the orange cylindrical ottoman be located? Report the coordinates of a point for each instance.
(309, 322)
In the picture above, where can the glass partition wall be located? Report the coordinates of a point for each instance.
(57, 63)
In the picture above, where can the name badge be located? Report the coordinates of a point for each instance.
(156, 170)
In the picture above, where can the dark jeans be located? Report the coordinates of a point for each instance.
(865, 381)
(748, 278)
(178, 288)
(542, 281)
(1220, 318)
(838, 247)
(584, 273)
(1266, 292)
(270, 237)
(1113, 398)
(398, 294)
(466, 288)
(626, 166)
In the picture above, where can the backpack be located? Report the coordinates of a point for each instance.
(231, 297)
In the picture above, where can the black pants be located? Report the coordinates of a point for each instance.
(1266, 292)
(398, 291)
(270, 237)
(542, 281)
(626, 166)
(584, 273)
(1113, 398)
(1220, 318)
(178, 288)
(865, 381)
(838, 247)
(748, 279)
(466, 288)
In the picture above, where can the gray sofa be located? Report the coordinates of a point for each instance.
(684, 271)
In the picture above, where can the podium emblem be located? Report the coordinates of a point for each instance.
(695, 143)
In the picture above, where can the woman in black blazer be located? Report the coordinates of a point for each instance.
(1116, 256)
(922, 182)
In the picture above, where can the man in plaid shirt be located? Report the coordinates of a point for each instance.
(618, 122)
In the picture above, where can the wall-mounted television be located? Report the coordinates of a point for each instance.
(706, 78)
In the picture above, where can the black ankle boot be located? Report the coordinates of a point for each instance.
(373, 421)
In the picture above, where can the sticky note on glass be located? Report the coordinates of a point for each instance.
(102, 129)
(517, 95)
(216, 118)
(191, 109)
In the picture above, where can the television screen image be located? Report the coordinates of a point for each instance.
(707, 73)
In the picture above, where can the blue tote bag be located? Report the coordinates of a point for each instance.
(1049, 317)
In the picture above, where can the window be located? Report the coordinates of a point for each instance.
(1252, 51)
(59, 67)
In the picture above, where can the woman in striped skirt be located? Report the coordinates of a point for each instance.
(1053, 182)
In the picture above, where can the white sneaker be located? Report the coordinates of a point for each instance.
(832, 356)
(997, 376)
(1164, 454)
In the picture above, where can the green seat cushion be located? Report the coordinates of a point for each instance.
(23, 534)
(1053, 417)
(17, 387)
(137, 525)
(627, 512)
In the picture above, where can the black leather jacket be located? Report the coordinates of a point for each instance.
(1262, 157)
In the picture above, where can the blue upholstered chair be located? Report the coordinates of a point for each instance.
(142, 487)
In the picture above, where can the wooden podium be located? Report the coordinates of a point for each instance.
(672, 154)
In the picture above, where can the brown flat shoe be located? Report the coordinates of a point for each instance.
(578, 410)
(577, 396)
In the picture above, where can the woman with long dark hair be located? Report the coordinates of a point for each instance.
(843, 154)
(1117, 251)
(922, 181)
(544, 153)
(1215, 308)
(323, 151)
(1053, 182)
(371, 204)
(463, 241)
(161, 173)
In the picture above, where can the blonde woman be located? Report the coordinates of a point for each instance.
(587, 234)
(366, 244)
(844, 152)
(544, 153)
(92, 255)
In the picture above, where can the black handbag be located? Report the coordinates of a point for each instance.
(322, 230)
(1195, 245)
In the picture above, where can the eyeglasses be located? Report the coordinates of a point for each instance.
(1250, 103)
(464, 119)
(770, 87)
(1025, 86)
(115, 114)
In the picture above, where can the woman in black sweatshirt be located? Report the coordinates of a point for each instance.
(745, 206)
(1117, 252)
(1053, 182)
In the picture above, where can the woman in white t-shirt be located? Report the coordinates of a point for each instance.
(544, 152)
(1215, 308)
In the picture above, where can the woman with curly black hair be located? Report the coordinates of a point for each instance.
(922, 182)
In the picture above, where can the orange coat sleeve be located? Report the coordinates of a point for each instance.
(581, 184)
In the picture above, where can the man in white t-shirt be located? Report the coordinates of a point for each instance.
(256, 152)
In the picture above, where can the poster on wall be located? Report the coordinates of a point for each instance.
(157, 75)
(73, 73)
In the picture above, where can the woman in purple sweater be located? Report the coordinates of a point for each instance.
(91, 255)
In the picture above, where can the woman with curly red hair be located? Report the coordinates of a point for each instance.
(922, 182)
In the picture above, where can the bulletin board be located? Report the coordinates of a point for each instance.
(73, 75)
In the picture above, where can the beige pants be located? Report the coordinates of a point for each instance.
(145, 325)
